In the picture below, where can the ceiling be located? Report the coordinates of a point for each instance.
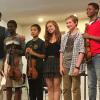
(28, 11)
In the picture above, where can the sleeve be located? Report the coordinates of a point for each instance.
(3, 33)
(23, 48)
(81, 45)
(61, 45)
(43, 48)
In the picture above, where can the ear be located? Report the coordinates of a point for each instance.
(76, 23)
(96, 10)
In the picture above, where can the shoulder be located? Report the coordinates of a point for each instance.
(40, 40)
(80, 37)
(64, 35)
(28, 42)
(2, 29)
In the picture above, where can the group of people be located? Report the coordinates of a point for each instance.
(51, 60)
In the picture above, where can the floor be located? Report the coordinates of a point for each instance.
(25, 94)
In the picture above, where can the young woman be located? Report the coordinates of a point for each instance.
(52, 67)
(35, 50)
(14, 46)
(71, 57)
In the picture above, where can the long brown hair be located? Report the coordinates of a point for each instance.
(48, 35)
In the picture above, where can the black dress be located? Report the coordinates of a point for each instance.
(52, 64)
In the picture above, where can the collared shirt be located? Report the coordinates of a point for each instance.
(94, 30)
(77, 48)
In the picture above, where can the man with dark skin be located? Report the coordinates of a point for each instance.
(93, 35)
(14, 46)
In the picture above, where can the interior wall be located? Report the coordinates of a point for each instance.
(25, 29)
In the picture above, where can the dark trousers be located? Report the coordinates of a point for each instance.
(36, 88)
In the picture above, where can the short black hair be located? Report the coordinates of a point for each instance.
(37, 26)
(12, 22)
(95, 5)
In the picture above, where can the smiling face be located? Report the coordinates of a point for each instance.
(50, 28)
(34, 31)
(70, 24)
(91, 11)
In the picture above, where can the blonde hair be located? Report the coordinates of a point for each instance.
(74, 19)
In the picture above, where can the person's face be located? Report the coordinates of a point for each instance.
(11, 28)
(34, 31)
(91, 11)
(70, 24)
(50, 28)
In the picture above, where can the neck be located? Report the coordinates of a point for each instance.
(53, 38)
(93, 18)
(13, 34)
(74, 31)
(35, 38)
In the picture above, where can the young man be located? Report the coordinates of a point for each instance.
(71, 59)
(35, 53)
(93, 35)
(2, 36)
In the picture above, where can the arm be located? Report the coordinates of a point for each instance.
(36, 54)
(80, 57)
(39, 55)
(62, 69)
(88, 36)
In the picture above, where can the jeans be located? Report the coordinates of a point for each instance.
(93, 70)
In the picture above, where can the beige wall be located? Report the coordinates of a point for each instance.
(25, 29)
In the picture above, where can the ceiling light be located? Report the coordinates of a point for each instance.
(75, 15)
(40, 20)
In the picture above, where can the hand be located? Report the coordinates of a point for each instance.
(62, 70)
(30, 51)
(75, 72)
(27, 50)
(86, 35)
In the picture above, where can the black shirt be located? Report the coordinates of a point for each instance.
(38, 47)
(2, 37)
(53, 49)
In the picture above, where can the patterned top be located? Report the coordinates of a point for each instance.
(68, 51)
(77, 48)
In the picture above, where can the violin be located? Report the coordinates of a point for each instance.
(13, 61)
(31, 67)
(87, 46)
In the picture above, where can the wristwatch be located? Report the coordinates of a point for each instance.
(77, 68)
